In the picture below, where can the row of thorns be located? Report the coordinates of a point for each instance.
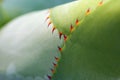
(77, 22)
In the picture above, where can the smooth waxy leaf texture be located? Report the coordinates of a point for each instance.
(28, 47)
(92, 53)
(83, 37)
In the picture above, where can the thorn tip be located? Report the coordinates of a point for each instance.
(77, 22)
(100, 3)
(60, 35)
(47, 18)
(53, 29)
(65, 37)
(59, 48)
(57, 59)
(53, 71)
(71, 28)
(54, 64)
(88, 11)
(49, 77)
(49, 23)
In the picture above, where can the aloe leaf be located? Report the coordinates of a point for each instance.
(72, 12)
(32, 45)
(92, 53)
(28, 47)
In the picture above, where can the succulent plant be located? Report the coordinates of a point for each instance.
(74, 41)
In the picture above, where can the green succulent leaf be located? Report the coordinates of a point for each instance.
(28, 49)
(71, 12)
(92, 53)
(74, 41)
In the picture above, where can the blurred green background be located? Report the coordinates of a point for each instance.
(9, 9)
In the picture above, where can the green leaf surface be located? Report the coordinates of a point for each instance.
(29, 45)
(93, 51)
(71, 12)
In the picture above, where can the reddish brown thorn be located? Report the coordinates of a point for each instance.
(53, 71)
(57, 59)
(65, 37)
(47, 18)
(53, 29)
(49, 23)
(88, 11)
(77, 22)
(60, 35)
(71, 28)
(49, 77)
(59, 48)
(54, 64)
(100, 3)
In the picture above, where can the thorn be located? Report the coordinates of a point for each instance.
(47, 18)
(100, 3)
(57, 59)
(53, 71)
(88, 11)
(53, 29)
(77, 22)
(59, 48)
(71, 28)
(60, 35)
(49, 77)
(65, 37)
(49, 23)
(55, 65)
